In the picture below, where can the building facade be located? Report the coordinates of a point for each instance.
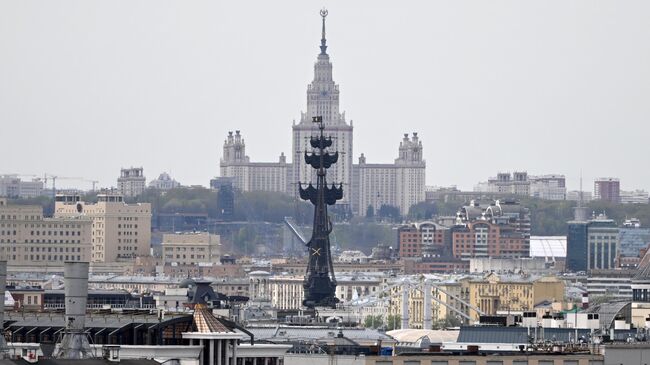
(11, 186)
(191, 248)
(607, 189)
(131, 182)
(592, 244)
(548, 187)
(29, 239)
(164, 182)
(252, 176)
(400, 184)
(120, 231)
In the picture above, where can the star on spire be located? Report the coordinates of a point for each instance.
(323, 40)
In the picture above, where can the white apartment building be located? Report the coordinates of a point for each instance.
(120, 231)
(548, 187)
(29, 239)
(401, 184)
(131, 182)
(634, 197)
(191, 248)
(252, 176)
(11, 186)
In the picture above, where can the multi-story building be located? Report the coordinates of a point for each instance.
(592, 244)
(500, 229)
(120, 231)
(191, 248)
(602, 243)
(509, 292)
(634, 197)
(633, 239)
(487, 239)
(131, 182)
(400, 184)
(252, 176)
(577, 195)
(424, 239)
(11, 186)
(607, 189)
(164, 182)
(29, 239)
(549, 187)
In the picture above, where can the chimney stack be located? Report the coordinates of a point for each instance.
(75, 344)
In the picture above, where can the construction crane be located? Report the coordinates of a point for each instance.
(54, 178)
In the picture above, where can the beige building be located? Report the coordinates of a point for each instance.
(287, 291)
(29, 239)
(400, 184)
(515, 293)
(120, 231)
(191, 248)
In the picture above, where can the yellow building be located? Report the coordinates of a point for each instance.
(120, 231)
(31, 240)
(509, 292)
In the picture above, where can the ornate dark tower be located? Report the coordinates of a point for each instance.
(320, 283)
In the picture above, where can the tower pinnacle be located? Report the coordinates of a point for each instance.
(323, 40)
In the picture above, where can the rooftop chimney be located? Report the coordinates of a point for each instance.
(74, 343)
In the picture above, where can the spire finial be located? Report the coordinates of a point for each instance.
(323, 40)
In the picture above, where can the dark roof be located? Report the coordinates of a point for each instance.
(491, 334)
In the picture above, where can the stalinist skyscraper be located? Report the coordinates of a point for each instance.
(323, 100)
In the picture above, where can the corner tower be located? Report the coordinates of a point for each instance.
(323, 101)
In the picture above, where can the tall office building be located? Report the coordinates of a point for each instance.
(131, 182)
(591, 244)
(607, 189)
(120, 231)
(323, 100)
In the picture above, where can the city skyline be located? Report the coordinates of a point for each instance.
(164, 96)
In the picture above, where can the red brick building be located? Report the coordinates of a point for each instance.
(486, 239)
(424, 239)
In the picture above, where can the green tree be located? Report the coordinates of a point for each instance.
(370, 212)
(374, 321)
(393, 322)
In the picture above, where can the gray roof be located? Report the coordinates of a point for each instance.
(311, 333)
(514, 335)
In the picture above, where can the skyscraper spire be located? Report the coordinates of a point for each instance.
(323, 40)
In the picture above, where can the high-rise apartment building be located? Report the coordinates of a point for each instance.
(131, 182)
(29, 239)
(607, 189)
(400, 184)
(252, 176)
(120, 231)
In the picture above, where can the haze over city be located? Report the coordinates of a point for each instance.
(548, 87)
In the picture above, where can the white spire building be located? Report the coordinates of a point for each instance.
(323, 100)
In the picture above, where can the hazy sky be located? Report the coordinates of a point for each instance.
(87, 87)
